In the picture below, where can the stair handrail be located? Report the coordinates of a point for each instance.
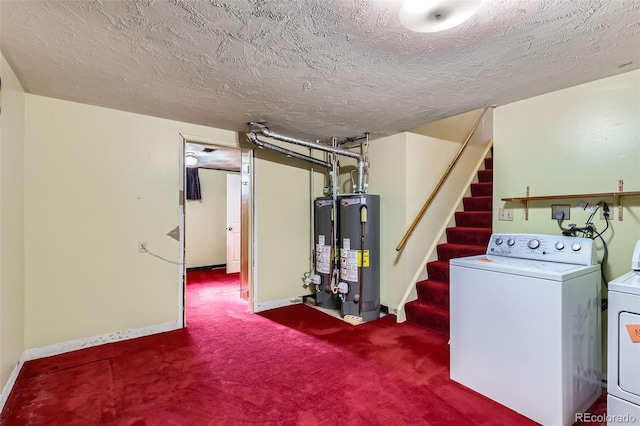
(441, 182)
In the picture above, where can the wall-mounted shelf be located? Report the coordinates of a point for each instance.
(562, 197)
(615, 195)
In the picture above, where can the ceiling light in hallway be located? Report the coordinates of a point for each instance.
(190, 160)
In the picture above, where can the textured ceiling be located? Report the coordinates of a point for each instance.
(311, 68)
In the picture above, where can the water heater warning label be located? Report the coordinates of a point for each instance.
(349, 264)
(323, 256)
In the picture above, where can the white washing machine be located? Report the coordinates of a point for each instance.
(525, 325)
(623, 365)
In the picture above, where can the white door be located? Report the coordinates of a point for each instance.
(233, 223)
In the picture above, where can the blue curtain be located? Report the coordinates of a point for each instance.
(193, 184)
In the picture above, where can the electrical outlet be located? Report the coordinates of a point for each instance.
(142, 247)
(505, 214)
(558, 208)
(602, 213)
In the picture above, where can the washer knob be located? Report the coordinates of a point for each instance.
(576, 247)
(533, 244)
(498, 241)
(511, 242)
(559, 245)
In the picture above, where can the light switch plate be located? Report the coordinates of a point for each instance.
(505, 214)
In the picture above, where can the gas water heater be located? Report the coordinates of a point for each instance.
(325, 233)
(359, 241)
(346, 227)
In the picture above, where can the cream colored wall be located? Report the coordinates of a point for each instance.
(578, 140)
(206, 220)
(11, 222)
(386, 179)
(283, 207)
(97, 182)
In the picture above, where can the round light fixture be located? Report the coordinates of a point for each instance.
(190, 160)
(430, 16)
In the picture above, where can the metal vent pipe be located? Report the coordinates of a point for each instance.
(258, 127)
(253, 138)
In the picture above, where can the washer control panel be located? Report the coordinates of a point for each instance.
(550, 248)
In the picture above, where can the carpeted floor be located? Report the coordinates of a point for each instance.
(289, 366)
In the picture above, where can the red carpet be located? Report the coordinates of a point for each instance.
(289, 366)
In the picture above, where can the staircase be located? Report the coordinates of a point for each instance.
(469, 237)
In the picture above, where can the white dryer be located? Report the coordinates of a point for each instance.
(623, 365)
(525, 325)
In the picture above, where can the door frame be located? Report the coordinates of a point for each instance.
(248, 242)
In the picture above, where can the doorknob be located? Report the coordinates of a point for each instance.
(229, 229)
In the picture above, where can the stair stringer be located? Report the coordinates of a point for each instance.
(431, 254)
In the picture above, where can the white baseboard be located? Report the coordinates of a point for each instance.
(273, 304)
(12, 381)
(73, 345)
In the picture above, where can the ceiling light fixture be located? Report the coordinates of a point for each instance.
(190, 160)
(430, 16)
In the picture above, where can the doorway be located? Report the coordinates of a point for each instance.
(233, 228)
(215, 230)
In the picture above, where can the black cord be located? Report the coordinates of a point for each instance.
(605, 302)
(590, 231)
(605, 207)
(605, 255)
